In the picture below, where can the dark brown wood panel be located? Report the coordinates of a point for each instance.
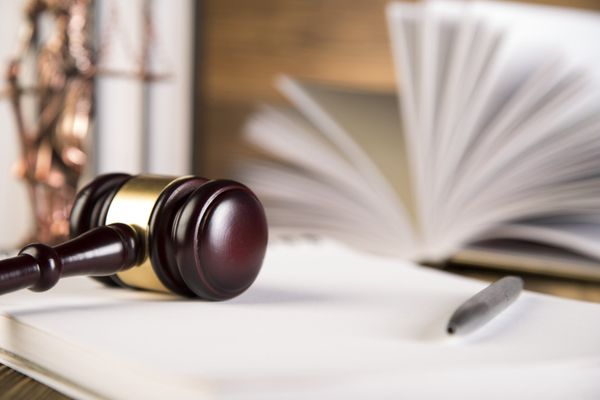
(247, 44)
(244, 44)
(16, 386)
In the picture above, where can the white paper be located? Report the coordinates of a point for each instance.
(320, 321)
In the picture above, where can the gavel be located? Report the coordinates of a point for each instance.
(188, 236)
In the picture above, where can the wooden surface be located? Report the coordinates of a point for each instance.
(16, 386)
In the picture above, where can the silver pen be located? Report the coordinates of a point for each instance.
(485, 305)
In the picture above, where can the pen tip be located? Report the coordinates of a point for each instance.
(450, 330)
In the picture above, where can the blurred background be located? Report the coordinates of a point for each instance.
(248, 43)
(215, 60)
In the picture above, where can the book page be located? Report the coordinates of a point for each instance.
(322, 321)
(557, 175)
(555, 110)
(524, 256)
(405, 46)
(371, 119)
(576, 233)
(325, 111)
(311, 187)
(283, 133)
(523, 92)
(299, 205)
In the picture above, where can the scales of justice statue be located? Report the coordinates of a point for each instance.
(53, 142)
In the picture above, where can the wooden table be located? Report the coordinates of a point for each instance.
(16, 386)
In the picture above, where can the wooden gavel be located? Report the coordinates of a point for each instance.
(189, 236)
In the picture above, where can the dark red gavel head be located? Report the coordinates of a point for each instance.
(197, 237)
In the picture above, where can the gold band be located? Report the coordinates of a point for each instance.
(133, 205)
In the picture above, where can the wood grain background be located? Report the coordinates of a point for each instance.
(16, 386)
(243, 45)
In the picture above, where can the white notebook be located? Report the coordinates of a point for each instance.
(321, 322)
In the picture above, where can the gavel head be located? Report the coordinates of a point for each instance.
(201, 238)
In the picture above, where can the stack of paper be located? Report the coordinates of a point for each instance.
(321, 321)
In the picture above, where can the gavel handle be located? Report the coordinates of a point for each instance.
(101, 251)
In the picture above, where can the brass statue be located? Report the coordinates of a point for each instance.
(53, 151)
(53, 143)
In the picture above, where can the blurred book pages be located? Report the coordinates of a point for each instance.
(321, 321)
(492, 137)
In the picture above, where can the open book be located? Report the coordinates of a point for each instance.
(490, 145)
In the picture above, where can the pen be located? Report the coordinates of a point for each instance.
(485, 305)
